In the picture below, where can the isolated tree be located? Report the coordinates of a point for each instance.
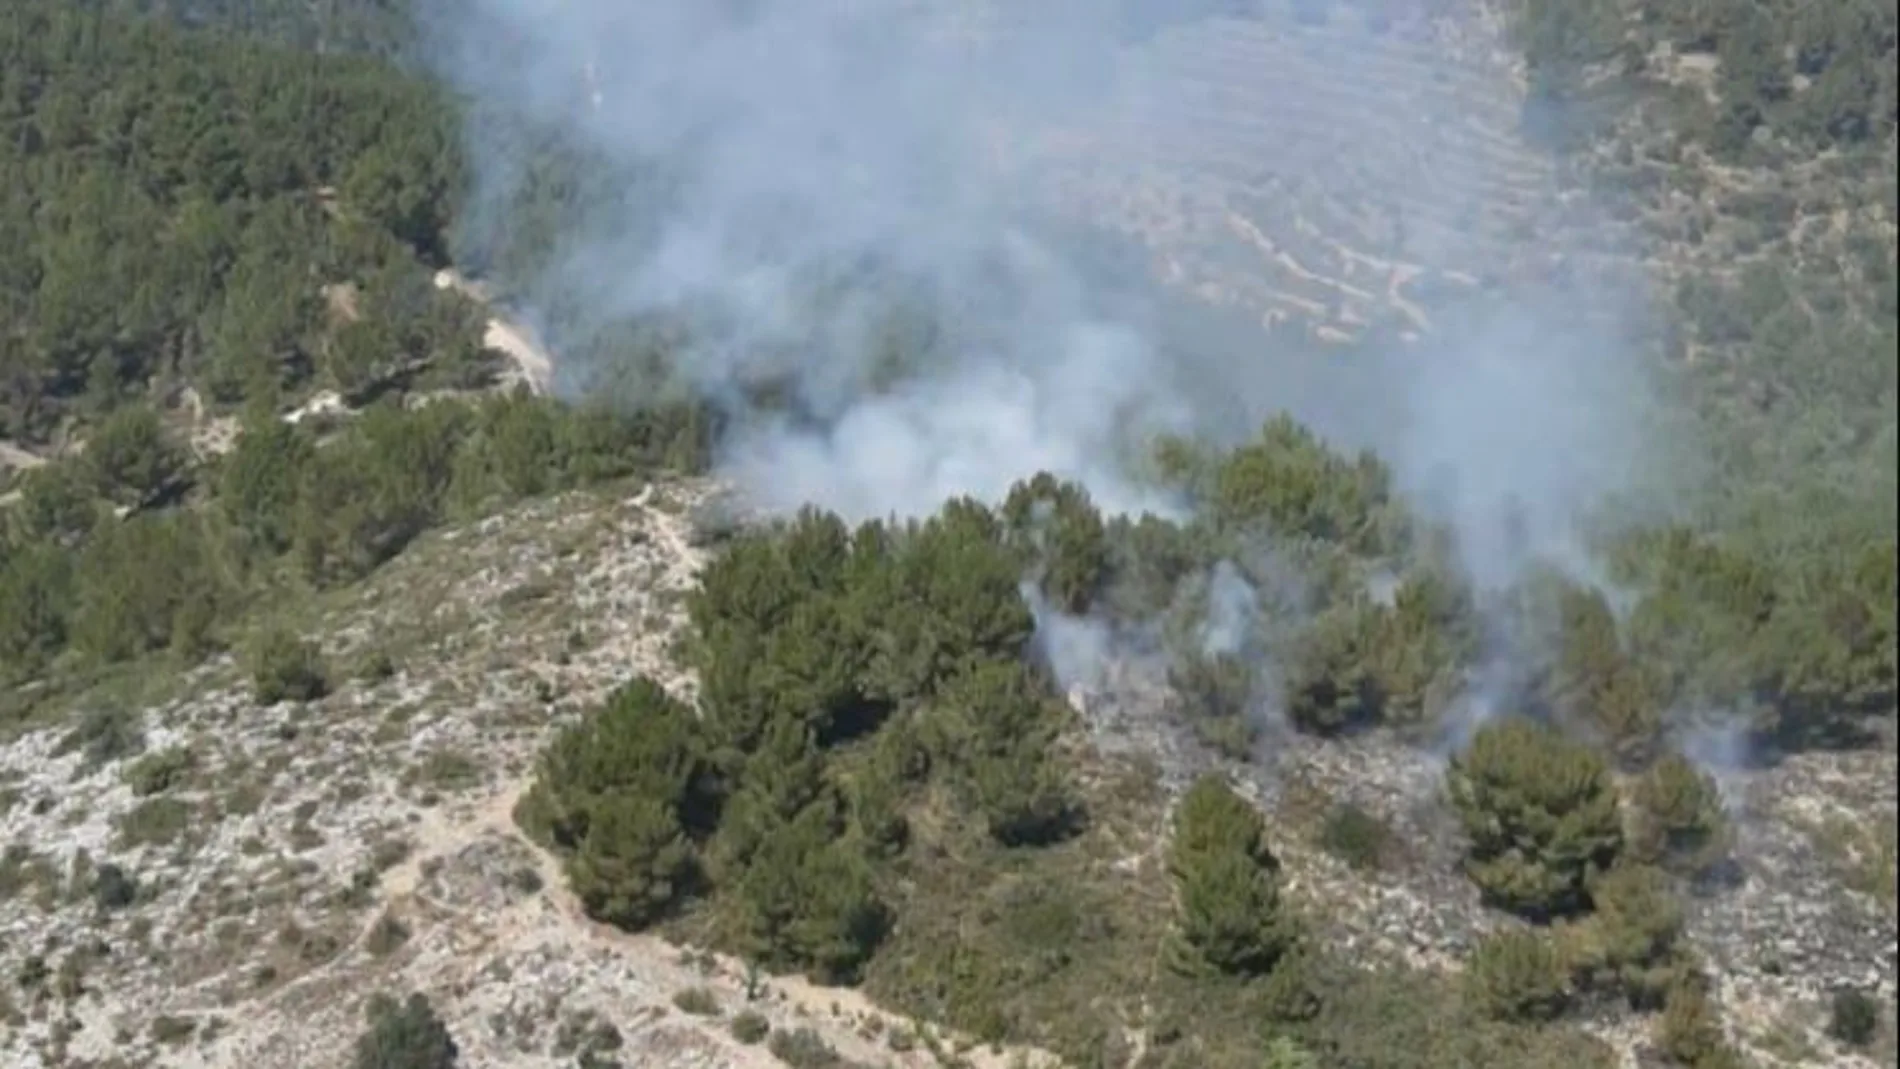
(1421, 644)
(780, 779)
(1289, 482)
(1541, 815)
(634, 864)
(1628, 945)
(619, 796)
(1149, 558)
(1229, 916)
(952, 599)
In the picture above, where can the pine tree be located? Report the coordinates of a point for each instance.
(1541, 814)
(1229, 915)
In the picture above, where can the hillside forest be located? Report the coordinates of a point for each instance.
(879, 783)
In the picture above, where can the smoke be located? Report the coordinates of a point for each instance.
(1232, 606)
(953, 147)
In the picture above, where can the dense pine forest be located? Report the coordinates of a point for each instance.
(244, 203)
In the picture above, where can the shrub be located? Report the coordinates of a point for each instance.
(1541, 815)
(1690, 1030)
(802, 1048)
(1516, 975)
(156, 773)
(405, 1035)
(1677, 820)
(1284, 1052)
(1355, 836)
(386, 936)
(113, 888)
(1628, 945)
(697, 1001)
(1215, 692)
(284, 667)
(750, 1026)
(1853, 1018)
(104, 734)
(131, 457)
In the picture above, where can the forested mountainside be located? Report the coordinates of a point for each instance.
(302, 709)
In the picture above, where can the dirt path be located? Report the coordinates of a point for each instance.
(12, 456)
(531, 360)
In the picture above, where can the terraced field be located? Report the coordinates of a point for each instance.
(1334, 174)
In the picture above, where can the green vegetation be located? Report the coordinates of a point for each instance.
(174, 200)
(1541, 815)
(1230, 917)
(404, 1035)
(1853, 1017)
(224, 212)
(288, 509)
(877, 787)
(1677, 819)
(1517, 975)
(1753, 143)
(874, 784)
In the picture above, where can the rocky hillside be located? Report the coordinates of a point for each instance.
(191, 879)
(195, 873)
(195, 880)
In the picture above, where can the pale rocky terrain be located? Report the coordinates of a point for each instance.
(290, 861)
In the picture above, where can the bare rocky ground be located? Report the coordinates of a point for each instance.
(202, 882)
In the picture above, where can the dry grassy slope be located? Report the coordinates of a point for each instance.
(274, 872)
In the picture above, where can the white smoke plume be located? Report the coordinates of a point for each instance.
(798, 135)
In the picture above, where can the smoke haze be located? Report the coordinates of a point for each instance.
(801, 135)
